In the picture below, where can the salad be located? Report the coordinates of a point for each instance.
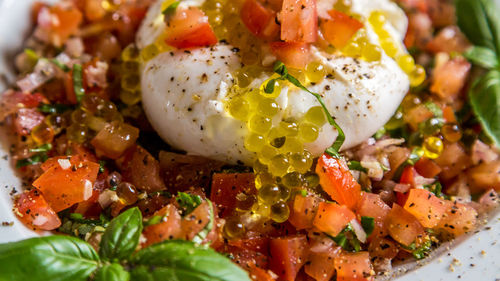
(250, 139)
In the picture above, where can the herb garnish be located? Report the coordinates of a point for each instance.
(53, 108)
(39, 157)
(479, 21)
(281, 69)
(66, 258)
(78, 81)
(188, 202)
(170, 10)
(368, 224)
(356, 166)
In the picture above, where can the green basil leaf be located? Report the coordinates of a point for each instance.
(368, 224)
(42, 148)
(188, 202)
(60, 65)
(112, 272)
(184, 260)
(269, 88)
(482, 56)
(53, 108)
(153, 220)
(170, 10)
(200, 236)
(356, 166)
(78, 81)
(479, 21)
(122, 235)
(55, 258)
(484, 97)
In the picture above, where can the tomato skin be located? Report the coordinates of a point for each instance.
(113, 140)
(292, 54)
(425, 206)
(247, 258)
(403, 226)
(427, 168)
(288, 255)
(259, 274)
(63, 188)
(319, 265)
(256, 243)
(168, 228)
(32, 209)
(337, 181)
(339, 28)
(383, 248)
(26, 119)
(332, 218)
(449, 78)
(259, 19)
(225, 188)
(141, 169)
(459, 218)
(408, 176)
(371, 205)
(299, 21)
(189, 28)
(353, 267)
(453, 160)
(303, 211)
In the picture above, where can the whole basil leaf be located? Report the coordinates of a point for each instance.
(112, 272)
(122, 235)
(484, 97)
(482, 56)
(479, 21)
(186, 261)
(55, 258)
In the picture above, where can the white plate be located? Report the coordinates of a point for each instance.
(476, 257)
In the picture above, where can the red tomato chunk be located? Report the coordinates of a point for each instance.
(32, 209)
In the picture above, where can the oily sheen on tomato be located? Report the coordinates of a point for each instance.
(259, 19)
(189, 28)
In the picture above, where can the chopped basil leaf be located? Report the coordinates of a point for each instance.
(422, 251)
(102, 166)
(434, 108)
(153, 220)
(33, 160)
(78, 81)
(188, 202)
(347, 239)
(42, 148)
(170, 10)
(368, 224)
(281, 69)
(53, 108)
(60, 65)
(356, 166)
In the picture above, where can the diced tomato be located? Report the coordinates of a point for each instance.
(226, 187)
(339, 28)
(371, 205)
(299, 21)
(303, 211)
(59, 22)
(420, 30)
(485, 176)
(189, 28)
(425, 206)
(255, 243)
(403, 226)
(259, 19)
(287, 256)
(383, 248)
(453, 160)
(396, 158)
(295, 55)
(259, 274)
(449, 114)
(488, 201)
(459, 219)
(63, 187)
(169, 228)
(448, 40)
(11, 101)
(421, 5)
(332, 218)
(141, 169)
(336, 179)
(94, 10)
(401, 198)
(247, 258)
(408, 176)
(427, 168)
(353, 267)
(26, 119)
(32, 209)
(320, 265)
(114, 139)
(194, 222)
(449, 78)
(417, 115)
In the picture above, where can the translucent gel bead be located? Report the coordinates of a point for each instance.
(245, 202)
(396, 121)
(292, 145)
(269, 194)
(77, 133)
(254, 142)
(343, 5)
(238, 108)
(377, 19)
(273, 134)
(259, 167)
(149, 52)
(96, 123)
(433, 146)
(315, 115)
(288, 128)
(233, 228)
(417, 76)
(292, 180)
(299, 74)
(301, 162)
(130, 97)
(42, 133)
(108, 111)
(390, 47)
(261, 209)
(406, 63)
(259, 124)
(371, 52)
(130, 67)
(352, 49)
(263, 179)
(127, 193)
(276, 91)
(131, 82)
(253, 97)
(315, 72)
(133, 111)
(284, 192)
(308, 132)
(267, 153)
(249, 57)
(267, 107)
(130, 53)
(451, 132)
(79, 116)
(56, 122)
(280, 212)
(311, 179)
(279, 165)
(243, 78)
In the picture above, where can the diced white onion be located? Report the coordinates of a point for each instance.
(64, 163)
(40, 220)
(358, 230)
(87, 192)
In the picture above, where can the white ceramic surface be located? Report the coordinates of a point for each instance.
(476, 257)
